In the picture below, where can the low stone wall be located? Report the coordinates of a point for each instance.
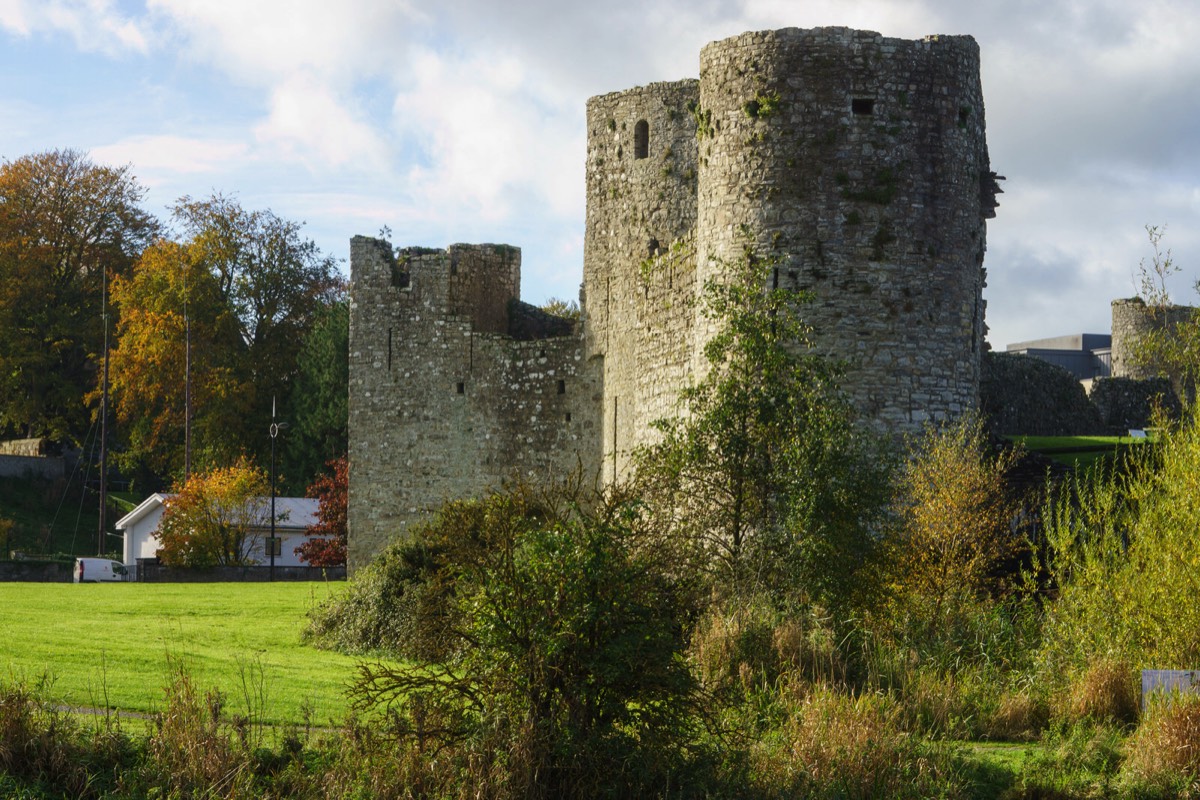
(47, 467)
(1023, 394)
(37, 571)
(1125, 403)
(149, 571)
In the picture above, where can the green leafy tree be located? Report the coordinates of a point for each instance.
(763, 467)
(564, 623)
(65, 224)
(319, 403)
(216, 518)
(1171, 345)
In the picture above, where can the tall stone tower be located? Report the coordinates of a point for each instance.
(858, 162)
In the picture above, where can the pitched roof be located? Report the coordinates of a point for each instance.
(291, 513)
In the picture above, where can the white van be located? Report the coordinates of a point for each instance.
(95, 570)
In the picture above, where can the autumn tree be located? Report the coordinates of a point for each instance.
(276, 281)
(955, 512)
(252, 289)
(330, 489)
(65, 224)
(171, 304)
(216, 518)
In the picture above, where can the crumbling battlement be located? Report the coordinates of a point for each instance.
(857, 162)
(444, 403)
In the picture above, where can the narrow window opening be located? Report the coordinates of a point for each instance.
(863, 105)
(389, 350)
(562, 387)
(462, 388)
(641, 139)
(568, 416)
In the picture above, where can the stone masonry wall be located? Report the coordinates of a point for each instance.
(1131, 320)
(440, 409)
(861, 162)
(639, 262)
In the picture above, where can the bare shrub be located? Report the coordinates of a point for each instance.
(1019, 716)
(1105, 692)
(1164, 752)
(188, 752)
(833, 744)
(37, 741)
(749, 645)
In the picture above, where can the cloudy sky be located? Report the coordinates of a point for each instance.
(463, 120)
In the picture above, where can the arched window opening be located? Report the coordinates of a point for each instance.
(641, 139)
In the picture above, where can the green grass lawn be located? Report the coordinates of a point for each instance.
(1077, 451)
(116, 645)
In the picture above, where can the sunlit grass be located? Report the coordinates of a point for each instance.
(115, 645)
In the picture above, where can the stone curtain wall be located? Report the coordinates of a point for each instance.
(1125, 403)
(442, 404)
(1023, 394)
(861, 161)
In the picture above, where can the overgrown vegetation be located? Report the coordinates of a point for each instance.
(773, 606)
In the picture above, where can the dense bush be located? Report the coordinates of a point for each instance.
(563, 619)
(1121, 554)
(1164, 753)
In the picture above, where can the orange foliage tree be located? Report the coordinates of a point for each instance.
(216, 519)
(65, 224)
(169, 296)
(330, 489)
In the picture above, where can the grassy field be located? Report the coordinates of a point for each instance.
(1077, 451)
(116, 645)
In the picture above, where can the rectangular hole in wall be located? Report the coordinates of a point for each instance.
(462, 388)
(862, 105)
(562, 387)
(568, 416)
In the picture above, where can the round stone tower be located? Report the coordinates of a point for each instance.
(1132, 320)
(859, 162)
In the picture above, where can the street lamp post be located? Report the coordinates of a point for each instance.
(276, 427)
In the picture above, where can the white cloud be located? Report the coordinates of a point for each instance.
(153, 157)
(262, 41)
(490, 143)
(308, 122)
(93, 25)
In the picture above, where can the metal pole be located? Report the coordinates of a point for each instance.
(100, 543)
(274, 433)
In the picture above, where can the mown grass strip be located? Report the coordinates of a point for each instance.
(115, 645)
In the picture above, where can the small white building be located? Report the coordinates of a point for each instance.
(293, 515)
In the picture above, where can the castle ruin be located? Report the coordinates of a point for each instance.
(857, 162)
